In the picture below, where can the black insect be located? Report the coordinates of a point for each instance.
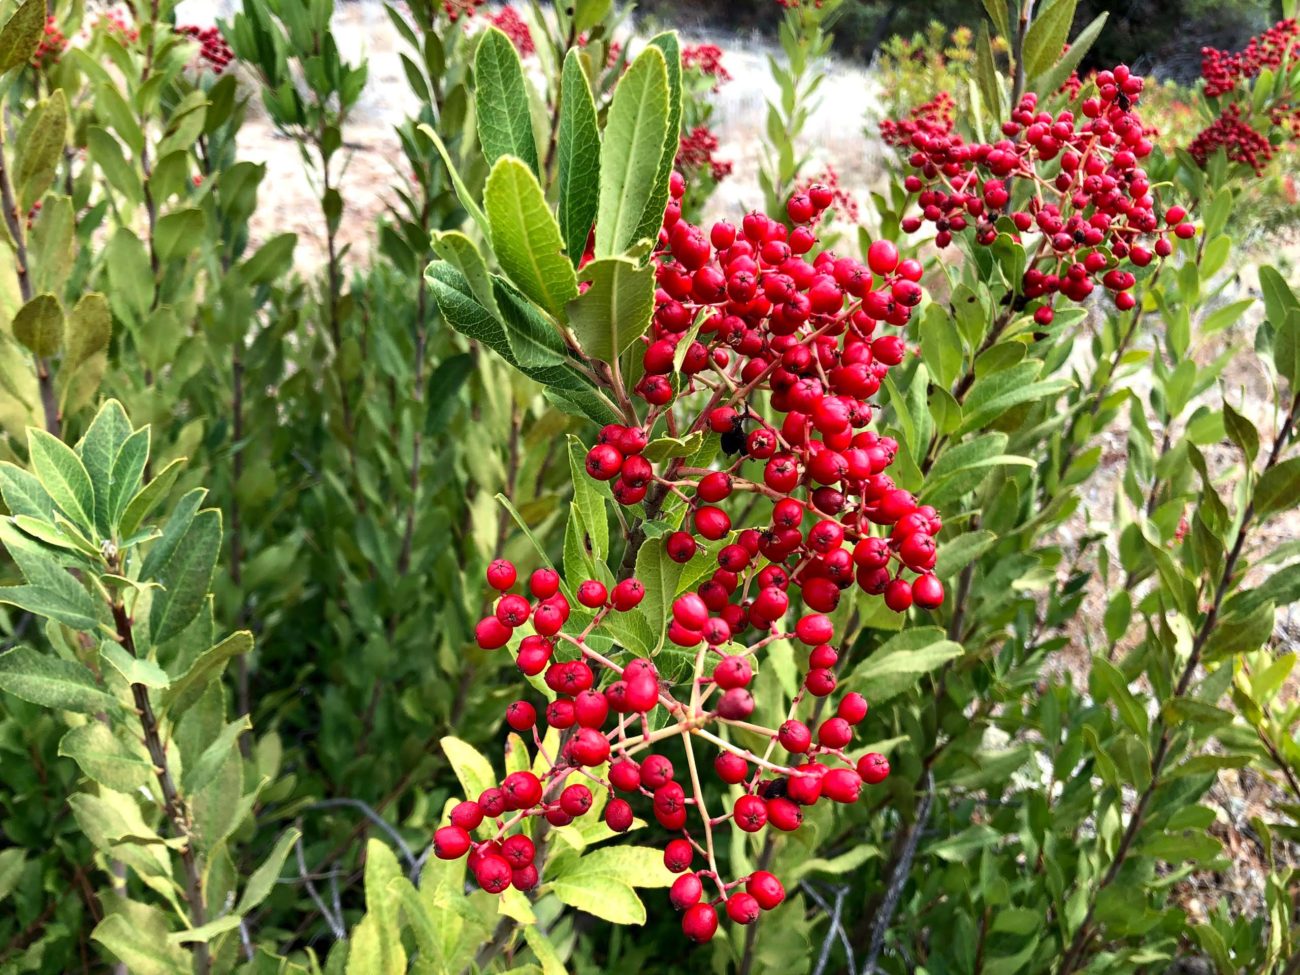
(775, 789)
(733, 441)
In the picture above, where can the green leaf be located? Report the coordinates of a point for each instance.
(64, 476)
(189, 687)
(40, 148)
(463, 254)
(463, 194)
(993, 395)
(578, 152)
(128, 468)
(141, 955)
(182, 560)
(23, 494)
(1057, 75)
(1046, 37)
(109, 760)
(39, 325)
(956, 554)
(90, 326)
(901, 661)
(986, 75)
(147, 498)
(106, 152)
(615, 311)
(206, 932)
(136, 670)
(52, 682)
(12, 862)
(204, 771)
(130, 278)
(997, 11)
(526, 238)
(635, 135)
(21, 34)
(271, 260)
(1221, 318)
(262, 881)
(601, 882)
(178, 233)
(1279, 488)
(1110, 684)
(653, 213)
(505, 126)
(98, 449)
(473, 771)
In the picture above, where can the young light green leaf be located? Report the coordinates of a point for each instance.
(901, 661)
(635, 135)
(526, 237)
(505, 125)
(615, 311)
(1059, 73)
(141, 956)
(52, 682)
(206, 932)
(98, 450)
(147, 498)
(23, 494)
(463, 193)
(463, 254)
(12, 862)
(182, 560)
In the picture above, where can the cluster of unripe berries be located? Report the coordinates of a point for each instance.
(1090, 200)
(212, 46)
(602, 708)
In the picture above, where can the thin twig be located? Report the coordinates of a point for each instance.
(896, 883)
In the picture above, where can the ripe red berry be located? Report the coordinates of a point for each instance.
(628, 595)
(882, 257)
(450, 843)
(575, 799)
(521, 715)
(680, 547)
(467, 815)
(501, 575)
(898, 595)
(765, 888)
(712, 523)
(521, 790)
(732, 672)
(656, 770)
(819, 681)
(743, 908)
(518, 851)
(678, 855)
(784, 814)
(513, 610)
(814, 629)
(750, 813)
(493, 873)
(794, 736)
(592, 593)
(685, 891)
(731, 768)
(524, 878)
(618, 815)
(736, 704)
(492, 802)
(700, 923)
(604, 461)
(834, 733)
(927, 591)
(873, 768)
(852, 707)
(544, 583)
(842, 785)
(491, 633)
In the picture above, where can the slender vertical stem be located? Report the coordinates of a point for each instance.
(174, 806)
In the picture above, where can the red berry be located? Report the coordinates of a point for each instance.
(521, 715)
(842, 785)
(873, 768)
(731, 768)
(491, 633)
(467, 815)
(765, 888)
(604, 461)
(882, 257)
(501, 575)
(544, 583)
(628, 595)
(493, 873)
(784, 814)
(685, 891)
(678, 855)
(700, 923)
(518, 851)
(927, 591)
(592, 593)
(680, 547)
(575, 800)
(743, 908)
(656, 770)
(750, 813)
(794, 737)
(618, 815)
(450, 843)
(852, 708)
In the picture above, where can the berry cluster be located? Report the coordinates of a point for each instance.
(707, 60)
(508, 21)
(934, 119)
(1091, 201)
(51, 46)
(695, 155)
(609, 757)
(455, 9)
(114, 23)
(1223, 71)
(1235, 136)
(212, 46)
(844, 206)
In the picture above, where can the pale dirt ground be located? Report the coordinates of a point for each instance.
(836, 135)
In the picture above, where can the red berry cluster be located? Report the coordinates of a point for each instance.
(508, 21)
(843, 204)
(51, 46)
(695, 155)
(1091, 200)
(707, 60)
(114, 23)
(609, 756)
(212, 46)
(934, 119)
(455, 9)
(1235, 136)
(1223, 70)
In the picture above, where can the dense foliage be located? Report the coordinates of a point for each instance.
(379, 614)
